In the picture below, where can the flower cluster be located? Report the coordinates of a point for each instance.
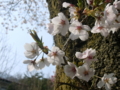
(107, 20)
(82, 72)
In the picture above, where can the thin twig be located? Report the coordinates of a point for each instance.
(65, 44)
(83, 86)
(97, 76)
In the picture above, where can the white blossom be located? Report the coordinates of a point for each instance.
(110, 14)
(116, 4)
(43, 62)
(85, 72)
(32, 50)
(106, 81)
(60, 24)
(32, 65)
(70, 70)
(79, 31)
(102, 29)
(65, 5)
(88, 55)
(55, 57)
(90, 2)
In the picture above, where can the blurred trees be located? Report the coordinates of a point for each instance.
(7, 56)
(33, 82)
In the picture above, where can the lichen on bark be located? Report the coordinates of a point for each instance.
(108, 52)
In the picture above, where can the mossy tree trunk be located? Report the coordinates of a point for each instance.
(108, 52)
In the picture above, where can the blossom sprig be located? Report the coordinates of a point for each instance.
(107, 19)
(106, 81)
(39, 41)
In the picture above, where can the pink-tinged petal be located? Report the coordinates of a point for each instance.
(84, 35)
(36, 66)
(47, 63)
(116, 4)
(61, 53)
(73, 30)
(31, 67)
(86, 27)
(34, 46)
(28, 47)
(56, 56)
(89, 2)
(56, 30)
(65, 4)
(107, 86)
(62, 16)
(56, 20)
(65, 30)
(80, 71)
(77, 23)
(92, 52)
(41, 64)
(50, 60)
(95, 29)
(50, 28)
(112, 80)
(100, 84)
(104, 33)
(85, 72)
(29, 55)
(27, 61)
(73, 37)
(70, 70)
(79, 55)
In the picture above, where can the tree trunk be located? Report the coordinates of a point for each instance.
(108, 52)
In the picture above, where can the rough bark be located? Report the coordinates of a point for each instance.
(108, 52)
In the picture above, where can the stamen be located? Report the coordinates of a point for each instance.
(62, 22)
(86, 73)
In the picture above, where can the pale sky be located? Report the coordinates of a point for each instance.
(17, 38)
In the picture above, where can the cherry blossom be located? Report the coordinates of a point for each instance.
(85, 72)
(32, 50)
(106, 81)
(72, 10)
(32, 65)
(65, 5)
(87, 55)
(110, 14)
(90, 2)
(60, 24)
(70, 70)
(116, 4)
(100, 19)
(79, 31)
(56, 56)
(102, 29)
(53, 29)
(43, 62)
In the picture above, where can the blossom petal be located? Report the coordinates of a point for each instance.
(73, 37)
(107, 86)
(65, 4)
(28, 47)
(100, 84)
(84, 35)
(31, 67)
(27, 61)
(79, 55)
(86, 27)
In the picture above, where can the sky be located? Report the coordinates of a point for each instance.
(17, 38)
